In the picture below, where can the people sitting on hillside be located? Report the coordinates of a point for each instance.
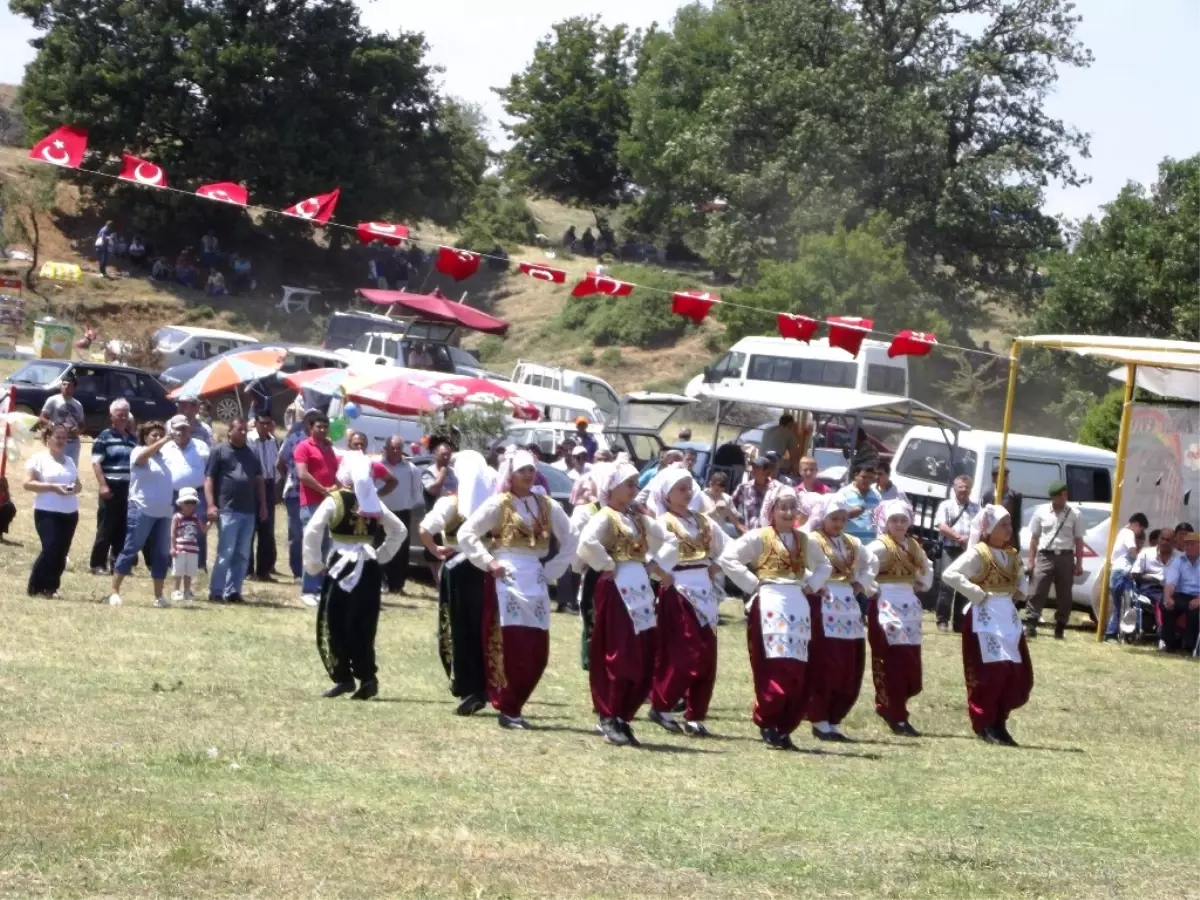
(209, 251)
(587, 243)
(186, 272)
(243, 273)
(161, 270)
(215, 287)
(137, 251)
(569, 238)
(120, 244)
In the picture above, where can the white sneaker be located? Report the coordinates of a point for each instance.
(177, 596)
(161, 603)
(114, 600)
(310, 599)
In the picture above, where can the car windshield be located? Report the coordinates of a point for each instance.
(42, 371)
(167, 339)
(560, 483)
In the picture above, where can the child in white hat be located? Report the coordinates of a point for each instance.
(187, 531)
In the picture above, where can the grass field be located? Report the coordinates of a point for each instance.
(186, 752)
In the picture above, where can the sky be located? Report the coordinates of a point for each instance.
(1138, 101)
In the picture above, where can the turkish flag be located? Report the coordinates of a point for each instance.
(317, 209)
(796, 327)
(224, 192)
(543, 273)
(458, 264)
(64, 146)
(693, 305)
(386, 232)
(139, 171)
(848, 332)
(596, 283)
(912, 343)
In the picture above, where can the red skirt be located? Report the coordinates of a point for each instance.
(514, 657)
(620, 663)
(687, 658)
(835, 671)
(895, 669)
(780, 688)
(994, 689)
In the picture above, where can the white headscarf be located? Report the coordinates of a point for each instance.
(663, 483)
(517, 459)
(776, 492)
(354, 471)
(827, 505)
(607, 476)
(886, 510)
(475, 480)
(985, 521)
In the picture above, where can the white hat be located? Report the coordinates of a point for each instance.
(187, 495)
(579, 450)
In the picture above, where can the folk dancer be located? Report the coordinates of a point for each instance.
(776, 566)
(838, 652)
(996, 662)
(348, 610)
(688, 610)
(621, 545)
(899, 568)
(460, 585)
(584, 505)
(516, 596)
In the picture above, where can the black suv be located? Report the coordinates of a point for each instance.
(97, 386)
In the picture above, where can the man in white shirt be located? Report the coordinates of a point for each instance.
(1120, 563)
(953, 523)
(562, 456)
(187, 461)
(403, 499)
(1056, 558)
(263, 552)
(578, 466)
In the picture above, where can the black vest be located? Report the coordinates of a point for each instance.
(347, 526)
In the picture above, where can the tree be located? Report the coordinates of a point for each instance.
(23, 202)
(290, 97)
(1101, 426)
(571, 108)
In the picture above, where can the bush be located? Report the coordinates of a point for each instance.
(714, 342)
(490, 348)
(610, 357)
(587, 358)
(498, 216)
(643, 319)
(1101, 425)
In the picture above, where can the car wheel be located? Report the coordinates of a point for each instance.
(226, 408)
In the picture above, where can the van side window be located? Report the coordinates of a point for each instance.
(1033, 479)
(931, 461)
(886, 380)
(1089, 484)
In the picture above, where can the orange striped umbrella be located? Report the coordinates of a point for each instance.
(228, 372)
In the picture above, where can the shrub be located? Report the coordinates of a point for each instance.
(587, 358)
(490, 348)
(611, 357)
(497, 216)
(1101, 425)
(643, 319)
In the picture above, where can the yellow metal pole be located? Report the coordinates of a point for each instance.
(1114, 524)
(1014, 363)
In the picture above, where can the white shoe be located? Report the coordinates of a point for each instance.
(114, 600)
(161, 603)
(177, 596)
(310, 599)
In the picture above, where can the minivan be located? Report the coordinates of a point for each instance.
(571, 381)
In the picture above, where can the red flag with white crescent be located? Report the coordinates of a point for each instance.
(912, 343)
(596, 283)
(317, 209)
(848, 332)
(140, 171)
(458, 264)
(543, 273)
(796, 327)
(224, 192)
(693, 305)
(384, 232)
(64, 146)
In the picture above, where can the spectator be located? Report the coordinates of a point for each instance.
(185, 271)
(862, 502)
(1150, 567)
(1182, 530)
(161, 270)
(405, 497)
(1055, 557)
(1010, 500)
(120, 246)
(150, 512)
(604, 454)
(416, 262)
(884, 489)
(137, 251)
(110, 464)
(285, 468)
(187, 533)
(587, 243)
(209, 255)
(376, 274)
(578, 466)
(1126, 546)
(316, 474)
(953, 524)
(8, 509)
(189, 407)
(749, 495)
(808, 477)
(237, 502)
(104, 246)
(1181, 597)
(685, 434)
(562, 455)
(243, 273)
(265, 445)
(439, 479)
(782, 440)
(582, 437)
(569, 238)
(396, 266)
(215, 287)
(721, 505)
(63, 409)
(690, 459)
(54, 480)
(187, 460)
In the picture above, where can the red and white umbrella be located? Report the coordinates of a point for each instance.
(414, 392)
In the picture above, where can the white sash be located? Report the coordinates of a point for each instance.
(695, 586)
(841, 616)
(634, 586)
(899, 614)
(997, 628)
(523, 595)
(784, 620)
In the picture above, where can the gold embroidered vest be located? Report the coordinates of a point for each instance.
(901, 565)
(514, 532)
(453, 523)
(347, 526)
(626, 544)
(843, 568)
(996, 578)
(777, 563)
(692, 550)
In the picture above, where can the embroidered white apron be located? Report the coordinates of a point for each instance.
(784, 620)
(634, 586)
(523, 595)
(841, 616)
(899, 613)
(695, 586)
(997, 628)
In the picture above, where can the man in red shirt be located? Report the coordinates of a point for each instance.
(316, 470)
(808, 477)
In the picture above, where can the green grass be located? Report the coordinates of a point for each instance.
(186, 752)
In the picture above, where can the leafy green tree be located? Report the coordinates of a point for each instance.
(498, 216)
(1101, 425)
(290, 97)
(571, 108)
(25, 201)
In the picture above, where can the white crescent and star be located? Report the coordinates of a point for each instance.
(306, 209)
(382, 227)
(218, 194)
(55, 158)
(155, 178)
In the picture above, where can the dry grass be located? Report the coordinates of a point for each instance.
(186, 752)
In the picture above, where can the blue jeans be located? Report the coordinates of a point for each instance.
(311, 584)
(1118, 584)
(150, 532)
(234, 532)
(295, 538)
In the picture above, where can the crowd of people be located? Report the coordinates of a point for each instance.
(210, 270)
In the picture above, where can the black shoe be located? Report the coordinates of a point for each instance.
(1031, 630)
(770, 737)
(366, 690)
(989, 736)
(696, 729)
(613, 732)
(213, 598)
(1003, 737)
(906, 729)
(664, 721)
(834, 737)
(343, 687)
(630, 736)
(516, 723)
(1060, 632)
(470, 705)
(680, 707)
(785, 742)
(896, 727)
(235, 598)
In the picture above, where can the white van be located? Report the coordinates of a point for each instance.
(179, 344)
(926, 465)
(559, 406)
(556, 378)
(769, 361)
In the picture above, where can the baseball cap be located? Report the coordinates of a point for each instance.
(187, 398)
(177, 422)
(581, 420)
(1056, 487)
(579, 451)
